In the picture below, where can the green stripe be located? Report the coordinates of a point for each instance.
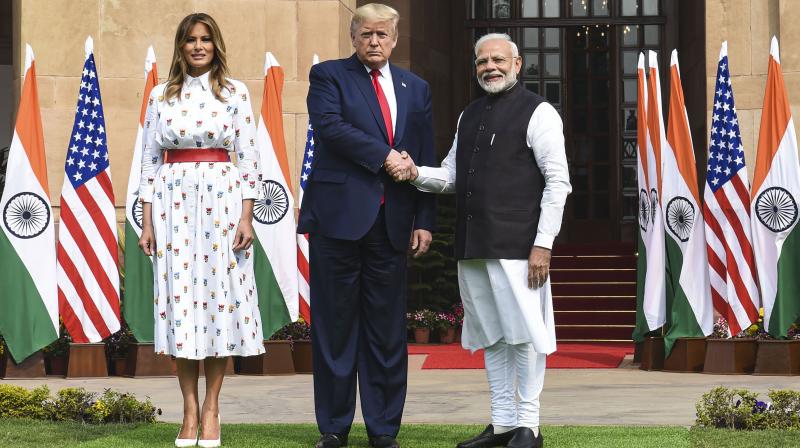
(680, 315)
(24, 320)
(641, 273)
(786, 310)
(274, 313)
(137, 303)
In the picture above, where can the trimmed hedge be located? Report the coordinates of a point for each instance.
(75, 404)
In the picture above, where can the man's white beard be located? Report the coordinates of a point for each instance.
(509, 80)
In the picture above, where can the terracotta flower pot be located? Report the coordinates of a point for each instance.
(277, 360)
(447, 335)
(422, 335)
(688, 355)
(652, 353)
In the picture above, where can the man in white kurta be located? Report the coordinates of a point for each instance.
(508, 308)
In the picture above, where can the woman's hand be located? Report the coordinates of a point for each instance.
(147, 242)
(244, 231)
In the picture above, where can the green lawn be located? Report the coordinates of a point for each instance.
(26, 433)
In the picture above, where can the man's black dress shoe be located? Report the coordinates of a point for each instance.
(487, 439)
(524, 438)
(331, 440)
(383, 442)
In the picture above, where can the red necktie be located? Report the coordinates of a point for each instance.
(387, 114)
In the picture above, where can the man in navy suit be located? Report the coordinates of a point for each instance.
(365, 112)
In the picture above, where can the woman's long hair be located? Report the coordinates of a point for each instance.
(218, 74)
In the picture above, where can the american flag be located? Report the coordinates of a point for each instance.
(734, 288)
(88, 275)
(302, 240)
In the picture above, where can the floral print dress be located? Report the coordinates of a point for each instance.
(205, 298)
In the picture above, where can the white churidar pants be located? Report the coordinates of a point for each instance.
(515, 371)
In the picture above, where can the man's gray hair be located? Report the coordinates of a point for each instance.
(494, 36)
(374, 12)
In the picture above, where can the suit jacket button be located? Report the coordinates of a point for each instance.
(480, 128)
(469, 217)
(476, 149)
(469, 194)
(488, 107)
(471, 171)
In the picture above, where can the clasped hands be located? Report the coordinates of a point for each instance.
(400, 166)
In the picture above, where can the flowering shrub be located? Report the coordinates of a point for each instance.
(721, 329)
(421, 319)
(458, 313)
(444, 321)
(741, 409)
(794, 332)
(295, 331)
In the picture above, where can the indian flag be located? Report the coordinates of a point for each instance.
(644, 220)
(29, 299)
(137, 304)
(273, 214)
(655, 302)
(691, 310)
(776, 188)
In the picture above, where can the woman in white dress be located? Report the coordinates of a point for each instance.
(197, 220)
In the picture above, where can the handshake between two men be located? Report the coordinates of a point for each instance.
(400, 166)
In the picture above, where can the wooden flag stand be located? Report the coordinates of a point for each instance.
(688, 355)
(87, 361)
(144, 362)
(31, 367)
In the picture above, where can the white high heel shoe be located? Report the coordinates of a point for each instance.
(182, 443)
(212, 443)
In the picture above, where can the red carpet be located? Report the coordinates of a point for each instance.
(570, 355)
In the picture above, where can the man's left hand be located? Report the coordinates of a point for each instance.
(538, 267)
(420, 242)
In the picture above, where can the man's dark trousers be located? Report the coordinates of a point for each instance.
(358, 323)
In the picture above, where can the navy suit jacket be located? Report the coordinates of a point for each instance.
(343, 194)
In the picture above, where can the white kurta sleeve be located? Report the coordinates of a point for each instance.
(151, 151)
(439, 180)
(245, 142)
(546, 139)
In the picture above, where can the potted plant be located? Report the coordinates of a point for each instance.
(445, 324)
(728, 355)
(57, 353)
(779, 356)
(299, 334)
(421, 322)
(117, 346)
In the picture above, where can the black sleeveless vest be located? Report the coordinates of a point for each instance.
(498, 183)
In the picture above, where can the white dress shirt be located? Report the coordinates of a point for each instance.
(385, 80)
(545, 137)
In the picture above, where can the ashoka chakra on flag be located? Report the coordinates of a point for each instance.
(272, 204)
(644, 209)
(776, 209)
(680, 217)
(26, 215)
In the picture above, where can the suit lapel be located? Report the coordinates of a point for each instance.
(401, 95)
(364, 83)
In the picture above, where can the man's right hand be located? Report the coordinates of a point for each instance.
(400, 166)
